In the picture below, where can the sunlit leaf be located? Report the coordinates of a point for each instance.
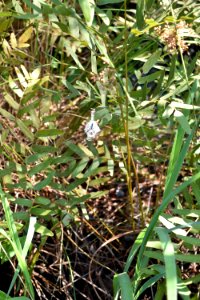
(13, 40)
(104, 2)
(49, 132)
(26, 35)
(43, 230)
(15, 88)
(151, 61)
(182, 121)
(88, 8)
(26, 131)
(11, 101)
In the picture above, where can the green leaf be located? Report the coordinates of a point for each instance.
(43, 230)
(76, 149)
(63, 10)
(190, 258)
(190, 240)
(74, 184)
(6, 114)
(11, 101)
(73, 54)
(182, 105)
(40, 185)
(170, 263)
(25, 129)
(148, 284)
(98, 181)
(69, 169)
(34, 158)
(124, 284)
(71, 88)
(73, 201)
(87, 152)
(104, 2)
(7, 170)
(168, 112)
(98, 194)
(63, 27)
(40, 167)
(134, 250)
(149, 78)
(176, 159)
(187, 212)
(4, 296)
(88, 8)
(42, 212)
(93, 168)
(172, 70)
(20, 298)
(21, 215)
(49, 132)
(24, 202)
(27, 16)
(151, 61)
(103, 16)
(44, 149)
(165, 202)
(14, 240)
(34, 118)
(33, 6)
(182, 121)
(66, 157)
(6, 14)
(5, 24)
(140, 14)
(174, 155)
(196, 191)
(149, 4)
(42, 200)
(74, 27)
(135, 123)
(80, 167)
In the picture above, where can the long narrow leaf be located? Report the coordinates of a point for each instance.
(125, 286)
(177, 159)
(29, 237)
(15, 242)
(170, 263)
(159, 210)
(134, 250)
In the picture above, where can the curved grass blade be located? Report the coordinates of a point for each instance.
(122, 282)
(160, 209)
(148, 284)
(134, 250)
(15, 242)
(170, 263)
(29, 237)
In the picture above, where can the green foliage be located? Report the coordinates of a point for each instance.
(13, 238)
(59, 60)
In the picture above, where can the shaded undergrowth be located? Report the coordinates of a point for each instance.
(115, 216)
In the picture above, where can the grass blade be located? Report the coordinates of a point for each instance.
(29, 237)
(148, 284)
(170, 263)
(15, 242)
(124, 284)
(161, 208)
(134, 250)
(176, 159)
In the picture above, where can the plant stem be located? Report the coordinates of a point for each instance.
(126, 127)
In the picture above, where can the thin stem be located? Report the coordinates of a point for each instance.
(138, 191)
(126, 127)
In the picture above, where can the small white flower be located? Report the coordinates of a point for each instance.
(92, 128)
